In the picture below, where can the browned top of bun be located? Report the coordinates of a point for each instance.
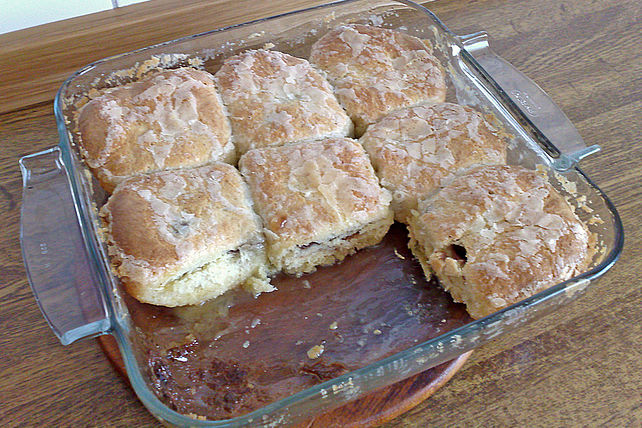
(415, 150)
(519, 234)
(274, 98)
(376, 70)
(171, 119)
(313, 191)
(163, 225)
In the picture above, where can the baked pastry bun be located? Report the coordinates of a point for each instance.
(171, 119)
(274, 98)
(181, 237)
(320, 201)
(496, 235)
(415, 150)
(375, 71)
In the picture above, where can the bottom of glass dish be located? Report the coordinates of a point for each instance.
(375, 408)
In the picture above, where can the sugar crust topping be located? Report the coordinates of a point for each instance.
(275, 98)
(376, 70)
(309, 190)
(173, 118)
(519, 233)
(415, 150)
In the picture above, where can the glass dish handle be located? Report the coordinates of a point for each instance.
(536, 105)
(60, 269)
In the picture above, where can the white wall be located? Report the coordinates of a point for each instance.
(19, 14)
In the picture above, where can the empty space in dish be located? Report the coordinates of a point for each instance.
(237, 353)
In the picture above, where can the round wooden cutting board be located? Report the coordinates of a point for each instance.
(373, 409)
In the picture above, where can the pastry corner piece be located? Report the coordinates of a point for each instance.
(496, 235)
(320, 201)
(416, 150)
(274, 98)
(182, 237)
(169, 119)
(375, 71)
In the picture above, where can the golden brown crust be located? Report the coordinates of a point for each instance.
(415, 150)
(375, 71)
(166, 225)
(496, 235)
(311, 193)
(171, 119)
(274, 98)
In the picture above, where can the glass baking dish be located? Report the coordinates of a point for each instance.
(69, 270)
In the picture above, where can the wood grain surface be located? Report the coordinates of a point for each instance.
(581, 366)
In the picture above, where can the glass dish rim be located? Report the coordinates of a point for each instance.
(151, 401)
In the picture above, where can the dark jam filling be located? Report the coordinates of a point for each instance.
(458, 253)
(315, 244)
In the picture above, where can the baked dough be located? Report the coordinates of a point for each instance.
(171, 119)
(181, 237)
(375, 71)
(497, 235)
(274, 98)
(320, 201)
(415, 150)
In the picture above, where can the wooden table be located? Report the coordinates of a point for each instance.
(580, 366)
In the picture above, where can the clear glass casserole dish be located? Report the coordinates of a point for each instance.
(70, 273)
